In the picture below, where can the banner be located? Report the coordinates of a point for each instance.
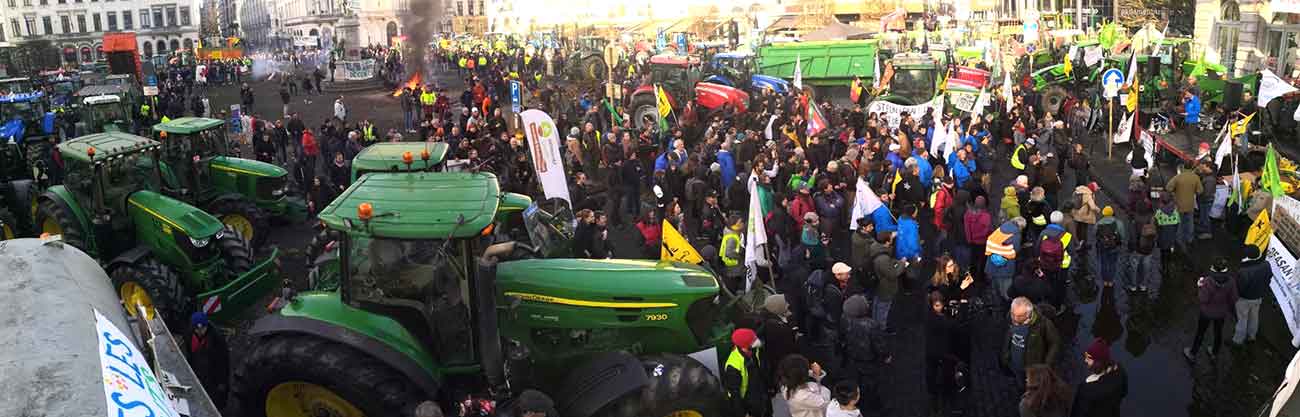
(1271, 87)
(676, 248)
(1125, 131)
(236, 122)
(893, 113)
(1092, 55)
(354, 70)
(1285, 285)
(963, 100)
(969, 78)
(544, 147)
(130, 387)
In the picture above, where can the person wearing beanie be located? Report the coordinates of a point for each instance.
(742, 377)
(1111, 238)
(206, 351)
(1217, 294)
(864, 351)
(1010, 204)
(1253, 277)
(1102, 392)
(777, 333)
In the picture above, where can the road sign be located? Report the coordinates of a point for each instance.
(515, 96)
(1111, 80)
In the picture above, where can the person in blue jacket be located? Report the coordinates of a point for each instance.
(961, 166)
(907, 245)
(728, 165)
(883, 220)
(1191, 108)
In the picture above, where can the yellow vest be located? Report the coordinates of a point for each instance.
(1015, 158)
(1065, 243)
(368, 133)
(482, 61)
(732, 238)
(737, 360)
(427, 98)
(1000, 243)
(144, 109)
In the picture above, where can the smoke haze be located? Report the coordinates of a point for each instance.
(419, 25)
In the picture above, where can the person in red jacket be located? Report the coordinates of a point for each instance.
(310, 152)
(802, 204)
(652, 231)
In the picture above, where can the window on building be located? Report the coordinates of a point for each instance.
(27, 3)
(1229, 33)
(69, 55)
(81, 23)
(48, 24)
(85, 54)
(30, 23)
(171, 16)
(148, 48)
(112, 21)
(144, 18)
(65, 23)
(99, 22)
(99, 52)
(157, 18)
(45, 2)
(127, 23)
(2, 32)
(17, 30)
(13, 3)
(185, 16)
(460, 8)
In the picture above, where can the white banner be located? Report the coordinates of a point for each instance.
(1285, 284)
(1271, 87)
(893, 113)
(354, 70)
(130, 387)
(1125, 129)
(1092, 55)
(544, 147)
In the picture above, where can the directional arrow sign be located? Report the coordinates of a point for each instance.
(1111, 80)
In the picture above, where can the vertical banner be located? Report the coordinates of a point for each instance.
(544, 147)
(1285, 285)
(130, 387)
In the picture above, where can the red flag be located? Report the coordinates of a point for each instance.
(816, 122)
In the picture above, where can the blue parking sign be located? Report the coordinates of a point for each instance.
(515, 96)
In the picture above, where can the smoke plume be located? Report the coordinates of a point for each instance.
(419, 26)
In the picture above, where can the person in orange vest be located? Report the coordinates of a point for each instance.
(1000, 248)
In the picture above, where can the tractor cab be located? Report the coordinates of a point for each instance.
(24, 110)
(915, 79)
(188, 148)
(675, 74)
(102, 109)
(392, 157)
(103, 171)
(731, 68)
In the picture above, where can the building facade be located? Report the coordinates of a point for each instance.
(255, 26)
(1250, 35)
(379, 21)
(76, 27)
(308, 24)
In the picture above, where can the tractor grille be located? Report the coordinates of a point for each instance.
(269, 188)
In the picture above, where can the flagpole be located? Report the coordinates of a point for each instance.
(1110, 128)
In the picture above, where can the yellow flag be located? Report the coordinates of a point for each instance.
(676, 248)
(898, 177)
(1239, 127)
(1260, 232)
(1133, 92)
(661, 99)
(1068, 66)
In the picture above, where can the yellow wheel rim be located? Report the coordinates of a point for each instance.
(303, 399)
(240, 224)
(685, 413)
(51, 225)
(6, 232)
(133, 297)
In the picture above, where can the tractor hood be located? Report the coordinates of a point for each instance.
(173, 213)
(247, 167)
(605, 283)
(767, 81)
(713, 96)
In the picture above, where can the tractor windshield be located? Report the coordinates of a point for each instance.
(916, 85)
(107, 112)
(550, 227)
(204, 144)
(22, 110)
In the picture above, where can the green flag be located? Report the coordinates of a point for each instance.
(1107, 36)
(613, 114)
(1270, 179)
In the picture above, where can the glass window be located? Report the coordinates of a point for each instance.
(99, 23)
(69, 55)
(81, 23)
(85, 54)
(157, 18)
(13, 3)
(65, 22)
(112, 21)
(127, 18)
(45, 2)
(185, 16)
(171, 16)
(2, 32)
(17, 30)
(144, 18)
(148, 48)
(30, 21)
(27, 3)
(48, 24)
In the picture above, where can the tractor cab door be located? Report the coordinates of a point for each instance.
(179, 180)
(422, 284)
(551, 228)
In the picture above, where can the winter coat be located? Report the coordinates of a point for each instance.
(728, 171)
(1087, 212)
(1185, 186)
(1031, 286)
(1101, 395)
(1010, 204)
(809, 400)
(1252, 284)
(1042, 344)
(907, 244)
(887, 269)
(941, 200)
(864, 345)
(1218, 295)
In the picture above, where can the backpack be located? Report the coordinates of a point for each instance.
(814, 299)
(1051, 252)
(1108, 235)
(979, 225)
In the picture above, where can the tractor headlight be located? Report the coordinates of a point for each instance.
(277, 192)
(199, 243)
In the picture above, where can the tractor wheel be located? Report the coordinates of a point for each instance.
(236, 251)
(295, 375)
(594, 68)
(1053, 99)
(679, 387)
(8, 225)
(155, 286)
(54, 219)
(242, 216)
(644, 111)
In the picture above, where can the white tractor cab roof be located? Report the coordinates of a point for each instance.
(96, 100)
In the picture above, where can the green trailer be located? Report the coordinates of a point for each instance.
(823, 63)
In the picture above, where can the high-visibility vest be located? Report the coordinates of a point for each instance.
(1065, 243)
(1163, 219)
(427, 98)
(1000, 243)
(144, 110)
(1015, 158)
(368, 132)
(729, 238)
(482, 61)
(1040, 220)
(737, 360)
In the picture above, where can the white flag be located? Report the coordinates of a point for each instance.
(865, 202)
(768, 132)
(544, 140)
(938, 142)
(1125, 131)
(1225, 146)
(981, 102)
(798, 72)
(1006, 89)
(1271, 87)
(1132, 69)
(875, 82)
(755, 235)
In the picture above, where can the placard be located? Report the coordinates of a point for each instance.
(1285, 285)
(893, 113)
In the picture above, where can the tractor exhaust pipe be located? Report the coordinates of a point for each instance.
(489, 337)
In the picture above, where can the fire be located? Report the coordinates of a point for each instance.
(411, 83)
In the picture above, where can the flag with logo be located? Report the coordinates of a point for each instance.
(665, 107)
(755, 233)
(816, 121)
(1260, 231)
(865, 202)
(1271, 86)
(675, 247)
(544, 140)
(1068, 66)
(1125, 132)
(798, 72)
(1134, 84)
(1239, 127)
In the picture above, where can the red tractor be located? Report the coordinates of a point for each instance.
(680, 78)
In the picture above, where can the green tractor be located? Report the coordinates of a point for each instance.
(160, 252)
(587, 61)
(422, 311)
(18, 191)
(391, 157)
(243, 193)
(103, 108)
(915, 81)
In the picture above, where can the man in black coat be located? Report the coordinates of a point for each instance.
(1252, 287)
(206, 351)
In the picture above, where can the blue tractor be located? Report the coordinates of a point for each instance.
(734, 68)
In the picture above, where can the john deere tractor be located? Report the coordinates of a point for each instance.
(243, 193)
(391, 157)
(18, 192)
(103, 108)
(422, 311)
(160, 252)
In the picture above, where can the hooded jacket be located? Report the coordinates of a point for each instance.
(1010, 204)
(887, 270)
(1087, 212)
(863, 344)
(907, 245)
(1218, 295)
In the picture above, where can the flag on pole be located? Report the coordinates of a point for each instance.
(798, 72)
(665, 108)
(875, 81)
(938, 143)
(816, 122)
(1260, 232)
(676, 248)
(981, 102)
(855, 90)
(613, 114)
(1006, 89)
(865, 202)
(1239, 127)
(1237, 193)
(898, 177)
(1225, 146)
(1134, 85)
(755, 234)
(1271, 86)
(1125, 132)
(1270, 179)
(1069, 57)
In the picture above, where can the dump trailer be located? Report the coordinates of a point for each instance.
(824, 63)
(123, 54)
(70, 349)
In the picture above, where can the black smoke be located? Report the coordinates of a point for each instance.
(419, 26)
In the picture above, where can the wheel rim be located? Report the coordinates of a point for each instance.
(684, 413)
(6, 232)
(303, 399)
(644, 112)
(240, 224)
(133, 297)
(51, 226)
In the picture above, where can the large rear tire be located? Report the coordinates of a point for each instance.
(156, 286)
(244, 217)
(594, 68)
(295, 375)
(53, 218)
(644, 111)
(679, 387)
(1053, 99)
(235, 251)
